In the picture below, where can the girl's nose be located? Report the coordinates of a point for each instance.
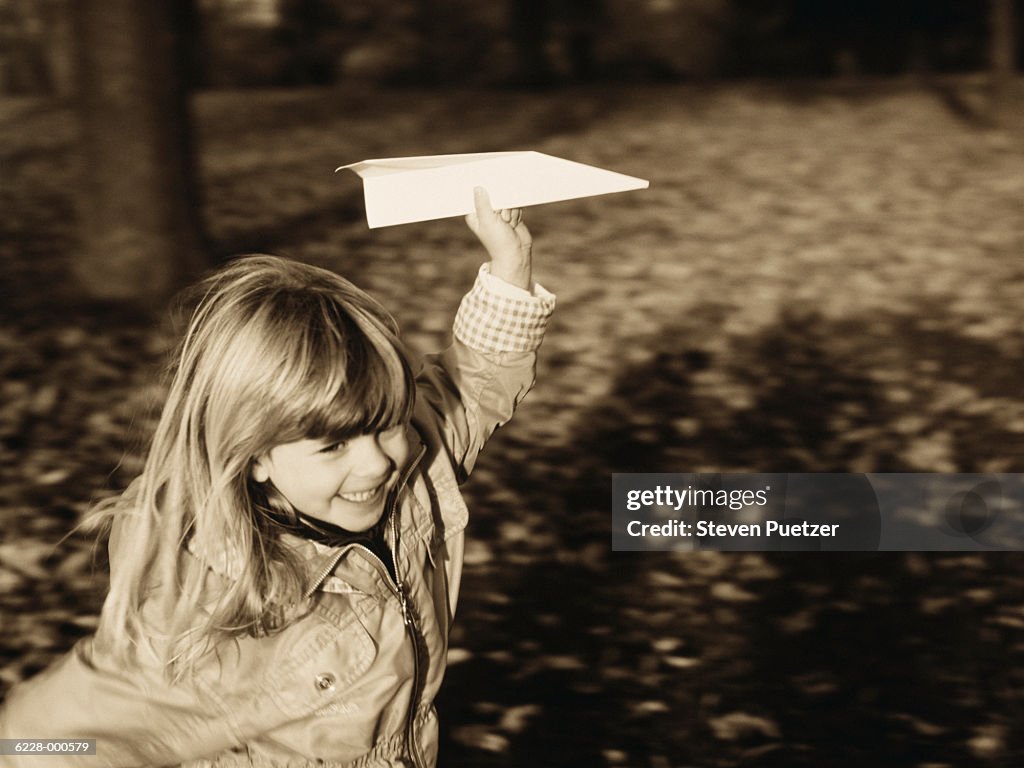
(370, 459)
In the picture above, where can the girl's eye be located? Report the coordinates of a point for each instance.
(334, 447)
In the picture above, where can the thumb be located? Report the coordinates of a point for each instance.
(482, 201)
(483, 213)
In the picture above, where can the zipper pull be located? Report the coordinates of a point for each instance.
(404, 602)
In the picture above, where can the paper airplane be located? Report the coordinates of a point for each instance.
(400, 190)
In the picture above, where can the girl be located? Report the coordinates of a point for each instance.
(284, 573)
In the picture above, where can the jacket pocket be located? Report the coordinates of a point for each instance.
(271, 681)
(316, 676)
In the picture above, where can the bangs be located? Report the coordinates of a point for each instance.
(355, 376)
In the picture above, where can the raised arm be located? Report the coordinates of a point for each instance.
(476, 384)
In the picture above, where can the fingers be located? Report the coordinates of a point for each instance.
(482, 202)
(511, 216)
(504, 236)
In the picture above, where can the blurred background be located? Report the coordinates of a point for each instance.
(824, 276)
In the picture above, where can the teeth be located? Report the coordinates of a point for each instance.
(361, 496)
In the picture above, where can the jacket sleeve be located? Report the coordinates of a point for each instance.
(81, 697)
(247, 689)
(249, 686)
(474, 386)
(127, 705)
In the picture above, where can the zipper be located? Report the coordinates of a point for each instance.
(412, 631)
(398, 587)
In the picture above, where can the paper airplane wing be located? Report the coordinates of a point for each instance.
(400, 190)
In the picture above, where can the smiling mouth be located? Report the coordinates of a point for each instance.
(360, 497)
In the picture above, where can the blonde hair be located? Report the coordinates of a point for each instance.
(275, 351)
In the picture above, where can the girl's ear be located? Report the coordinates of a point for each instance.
(260, 471)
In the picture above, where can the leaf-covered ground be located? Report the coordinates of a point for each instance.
(819, 279)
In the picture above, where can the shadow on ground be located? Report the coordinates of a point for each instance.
(588, 657)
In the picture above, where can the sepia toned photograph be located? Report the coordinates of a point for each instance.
(332, 331)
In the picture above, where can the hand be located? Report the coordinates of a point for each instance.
(506, 239)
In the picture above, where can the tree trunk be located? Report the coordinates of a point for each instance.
(585, 20)
(528, 20)
(1002, 56)
(140, 206)
(426, 35)
(59, 45)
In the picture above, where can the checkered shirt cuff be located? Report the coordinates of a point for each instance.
(496, 316)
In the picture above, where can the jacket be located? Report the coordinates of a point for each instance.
(351, 681)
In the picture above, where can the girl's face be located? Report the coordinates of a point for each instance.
(341, 483)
